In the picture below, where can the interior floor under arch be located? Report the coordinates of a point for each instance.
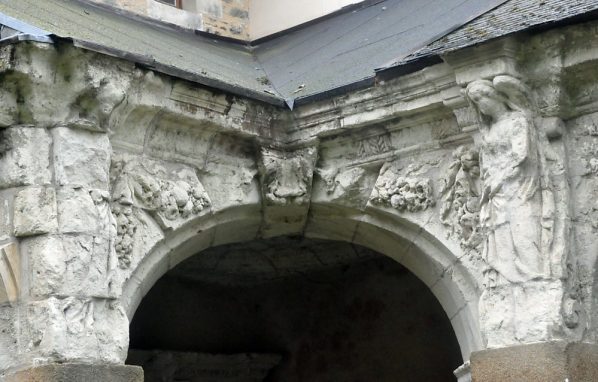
(292, 309)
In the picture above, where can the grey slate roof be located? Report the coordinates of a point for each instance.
(325, 57)
(510, 17)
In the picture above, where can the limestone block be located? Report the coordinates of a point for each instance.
(77, 211)
(35, 211)
(81, 158)
(90, 265)
(78, 372)
(547, 361)
(6, 208)
(75, 328)
(513, 314)
(24, 157)
(10, 273)
(8, 337)
(80, 265)
(45, 255)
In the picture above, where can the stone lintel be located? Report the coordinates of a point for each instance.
(77, 372)
(547, 362)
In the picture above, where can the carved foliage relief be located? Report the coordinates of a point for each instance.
(169, 193)
(460, 209)
(404, 192)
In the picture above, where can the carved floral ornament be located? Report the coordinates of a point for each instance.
(403, 192)
(167, 195)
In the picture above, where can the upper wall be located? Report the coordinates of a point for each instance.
(271, 16)
(239, 19)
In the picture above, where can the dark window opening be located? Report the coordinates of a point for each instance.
(174, 3)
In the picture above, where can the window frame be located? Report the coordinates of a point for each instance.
(177, 3)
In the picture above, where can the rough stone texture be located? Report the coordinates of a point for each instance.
(75, 328)
(478, 174)
(552, 361)
(24, 157)
(77, 372)
(10, 273)
(35, 211)
(81, 158)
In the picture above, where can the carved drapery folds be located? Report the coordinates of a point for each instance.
(517, 195)
(404, 192)
(460, 209)
(169, 193)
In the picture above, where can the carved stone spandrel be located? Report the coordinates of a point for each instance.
(10, 273)
(170, 194)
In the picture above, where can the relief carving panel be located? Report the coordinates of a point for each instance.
(170, 193)
(402, 191)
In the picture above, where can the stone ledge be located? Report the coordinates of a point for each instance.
(547, 362)
(77, 372)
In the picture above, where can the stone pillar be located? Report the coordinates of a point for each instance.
(59, 303)
(546, 362)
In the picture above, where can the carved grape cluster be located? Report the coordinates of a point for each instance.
(125, 232)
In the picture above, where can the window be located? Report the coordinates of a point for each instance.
(174, 3)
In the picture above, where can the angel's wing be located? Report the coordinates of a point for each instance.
(515, 91)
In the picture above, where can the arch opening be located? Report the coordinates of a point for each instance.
(292, 309)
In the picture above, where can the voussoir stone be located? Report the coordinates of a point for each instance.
(35, 211)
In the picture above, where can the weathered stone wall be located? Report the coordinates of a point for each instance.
(476, 174)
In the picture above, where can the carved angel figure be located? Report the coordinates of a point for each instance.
(516, 198)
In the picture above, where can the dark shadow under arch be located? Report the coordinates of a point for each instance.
(334, 311)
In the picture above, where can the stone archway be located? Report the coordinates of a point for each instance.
(305, 309)
(405, 243)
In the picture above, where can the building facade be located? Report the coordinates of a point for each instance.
(475, 169)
